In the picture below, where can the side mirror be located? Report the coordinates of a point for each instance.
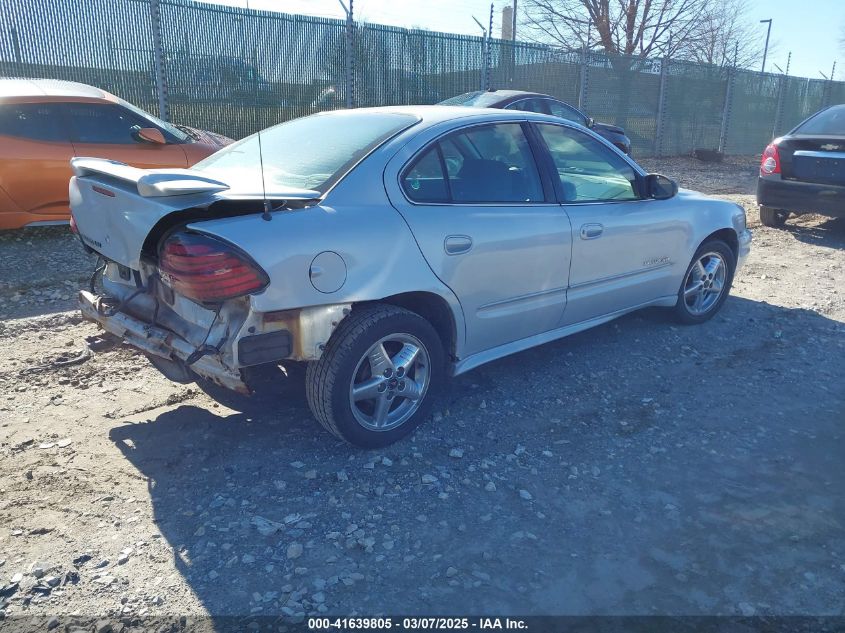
(660, 187)
(590, 121)
(151, 135)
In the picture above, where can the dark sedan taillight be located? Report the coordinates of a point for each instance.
(770, 161)
(208, 270)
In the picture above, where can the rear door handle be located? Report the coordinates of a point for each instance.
(591, 231)
(457, 244)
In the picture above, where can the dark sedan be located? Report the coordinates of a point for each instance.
(537, 102)
(804, 171)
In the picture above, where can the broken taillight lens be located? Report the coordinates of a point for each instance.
(208, 270)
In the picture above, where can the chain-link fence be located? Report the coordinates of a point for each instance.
(234, 71)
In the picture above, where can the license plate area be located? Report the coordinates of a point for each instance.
(819, 167)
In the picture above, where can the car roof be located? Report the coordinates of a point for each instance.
(26, 87)
(433, 114)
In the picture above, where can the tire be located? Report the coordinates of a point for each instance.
(713, 265)
(773, 217)
(353, 358)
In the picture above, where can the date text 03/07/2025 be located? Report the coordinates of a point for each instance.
(416, 623)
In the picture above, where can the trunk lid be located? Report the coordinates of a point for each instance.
(815, 159)
(115, 206)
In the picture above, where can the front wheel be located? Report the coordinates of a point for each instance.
(374, 381)
(707, 283)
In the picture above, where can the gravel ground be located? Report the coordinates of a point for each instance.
(636, 468)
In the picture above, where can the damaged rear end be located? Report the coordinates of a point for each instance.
(179, 295)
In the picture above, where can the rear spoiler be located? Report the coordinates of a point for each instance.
(151, 183)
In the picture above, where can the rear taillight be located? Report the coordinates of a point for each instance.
(208, 270)
(770, 161)
(73, 228)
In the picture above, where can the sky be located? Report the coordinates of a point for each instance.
(811, 29)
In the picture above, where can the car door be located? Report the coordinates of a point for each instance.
(35, 153)
(490, 230)
(627, 250)
(107, 130)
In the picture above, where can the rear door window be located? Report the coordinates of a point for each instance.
(488, 164)
(32, 121)
(502, 169)
(424, 181)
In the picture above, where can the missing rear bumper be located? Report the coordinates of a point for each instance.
(159, 342)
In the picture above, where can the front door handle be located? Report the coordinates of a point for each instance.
(457, 244)
(591, 231)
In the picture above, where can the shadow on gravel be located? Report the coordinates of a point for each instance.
(638, 468)
(830, 233)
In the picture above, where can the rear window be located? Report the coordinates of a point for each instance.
(33, 121)
(309, 153)
(827, 122)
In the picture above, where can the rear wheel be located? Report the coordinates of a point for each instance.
(773, 217)
(373, 383)
(707, 283)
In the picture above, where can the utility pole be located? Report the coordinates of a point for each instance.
(513, 28)
(766, 49)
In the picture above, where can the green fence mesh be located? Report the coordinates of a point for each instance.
(693, 107)
(235, 71)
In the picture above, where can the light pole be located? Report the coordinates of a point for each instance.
(766, 49)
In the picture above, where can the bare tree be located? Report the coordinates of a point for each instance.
(643, 28)
(724, 35)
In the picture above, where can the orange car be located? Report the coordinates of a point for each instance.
(44, 123)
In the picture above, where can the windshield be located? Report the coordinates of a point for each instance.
(477, 99)
(172, 129)
(309, 153)
(828, 122)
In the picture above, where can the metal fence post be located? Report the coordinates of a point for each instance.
(584, 80)
(779, 106)
(726, 111)
(16, 42)
(661, 107)
(158, 61)
(350, 57)
(489, 58)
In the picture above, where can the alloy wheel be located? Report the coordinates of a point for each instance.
(705, 283)
(389, 382)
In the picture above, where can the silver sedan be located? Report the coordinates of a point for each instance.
(390, 248)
